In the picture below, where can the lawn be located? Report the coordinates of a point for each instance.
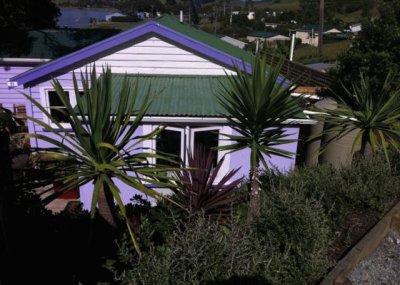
(309, 54)
(290, 5)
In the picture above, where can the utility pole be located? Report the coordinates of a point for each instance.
(321, 27)
(216, 19)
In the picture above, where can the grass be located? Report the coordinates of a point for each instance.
(309, 54)
(350, 17)
(282, 5)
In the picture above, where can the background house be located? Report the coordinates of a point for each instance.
(186, 64)
(308, 34)
(269, 38)
(233, 41)
(109, 17)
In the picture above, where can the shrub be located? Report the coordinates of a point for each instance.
(281, 248)
(197, 188)
(297, 232)
(367, 185)
(198, 253)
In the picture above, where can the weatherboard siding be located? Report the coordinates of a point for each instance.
(11, 96)
(155, 56)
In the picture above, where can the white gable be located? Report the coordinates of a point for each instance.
(155, 56)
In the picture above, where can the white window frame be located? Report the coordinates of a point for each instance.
(187, 139)
(44, 97)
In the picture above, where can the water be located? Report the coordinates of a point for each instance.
(76, 18)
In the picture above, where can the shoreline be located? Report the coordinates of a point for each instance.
(112, 10)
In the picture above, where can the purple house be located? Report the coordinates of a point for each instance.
(187, 64)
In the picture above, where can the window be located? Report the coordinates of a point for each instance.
(57, 107)
(169, 141)
(207, 139)
(176, 140)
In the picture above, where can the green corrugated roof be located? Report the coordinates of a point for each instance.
(204, 37)
(182, 96)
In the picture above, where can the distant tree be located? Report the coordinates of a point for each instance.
(375, 50)
(38, 14)
(19, 16)
(309, 11)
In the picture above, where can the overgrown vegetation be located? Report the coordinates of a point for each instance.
(308, 220)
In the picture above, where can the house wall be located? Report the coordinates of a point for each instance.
(239, 159)
(306, 38)
(152, 56)
(155, 56)
(11, 97)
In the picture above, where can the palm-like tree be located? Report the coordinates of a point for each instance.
(374, 116)
(257, 105)
(101, 148)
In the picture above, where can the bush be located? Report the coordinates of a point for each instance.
(353, 198)
(367, 185)
(199, 253)
(281, 248)
(43, 246)
(297, 233)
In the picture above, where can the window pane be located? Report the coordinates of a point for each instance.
(55, 100)
(208, 140)
(56, 105)
(169, 141)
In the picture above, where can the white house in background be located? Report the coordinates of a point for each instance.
(270, 38)
(355, 28)
(271, 25)
(110, 16)
(251, 16)
(233, 41)
(308, 34)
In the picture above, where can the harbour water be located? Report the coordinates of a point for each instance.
(76, 18)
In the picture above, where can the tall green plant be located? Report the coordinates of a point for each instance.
(257, 105)
(100, 148)
(373, 115)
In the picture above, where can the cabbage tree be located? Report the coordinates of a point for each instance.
(100, 148)
(374, 115)
(256, 106)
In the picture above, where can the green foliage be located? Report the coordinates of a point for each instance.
(374, 52)
(296, 230)
(198, 190)
(280, 248)
(199, 253)
(101, 147)
(366, 186)
(18, 16)
(374, 115)
(258, 104)
(71, 246)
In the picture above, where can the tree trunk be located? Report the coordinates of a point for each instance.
(255, 199)
(106, 205)
(365, 149)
